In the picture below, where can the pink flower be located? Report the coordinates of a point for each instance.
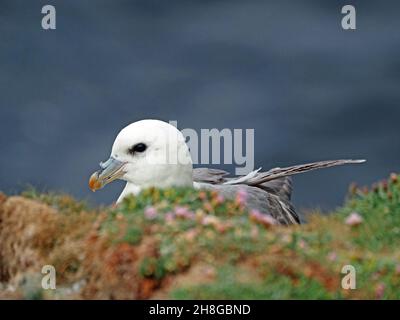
(150, 213)
(184, 212)
(255, 214)
(354, 219)
(169, 217)
(241, 197)
(302, 244)
(220, 199)
(267, 220)
(191, 234)
(332, 256)
(181, 211)
(262, 218)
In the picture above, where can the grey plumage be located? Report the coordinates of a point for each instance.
(268, 192)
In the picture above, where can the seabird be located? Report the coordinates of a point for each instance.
(153, 153)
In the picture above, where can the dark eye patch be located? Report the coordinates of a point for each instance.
(139, 147)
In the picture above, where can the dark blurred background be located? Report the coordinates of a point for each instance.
(310, 89)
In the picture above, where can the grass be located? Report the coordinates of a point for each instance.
(189, 244)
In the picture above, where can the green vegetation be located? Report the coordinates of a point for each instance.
(189, 244)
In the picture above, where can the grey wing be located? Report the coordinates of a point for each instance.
(262, 177)
(207, 175)
(269, 192)
(275, 202)
(272, 197)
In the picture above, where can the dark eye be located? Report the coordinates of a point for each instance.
(139, 147)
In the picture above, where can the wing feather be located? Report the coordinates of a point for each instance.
(269, 192)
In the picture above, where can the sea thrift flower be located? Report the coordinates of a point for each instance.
(262, 218)
(181, 211)
(255, 214)
(332, 256)
(220, 198)
(241, 197)
(184, 212)
(169, 217)
(222, 227)
(150, 213)
(191, 234)
(354, 219)
(267, 220)
(302, 244)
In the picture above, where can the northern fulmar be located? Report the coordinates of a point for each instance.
(153, 153)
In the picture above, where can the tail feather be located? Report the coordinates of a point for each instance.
(277, 173)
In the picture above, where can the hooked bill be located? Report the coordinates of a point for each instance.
(94, 182)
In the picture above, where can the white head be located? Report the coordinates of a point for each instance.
(147, 153)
